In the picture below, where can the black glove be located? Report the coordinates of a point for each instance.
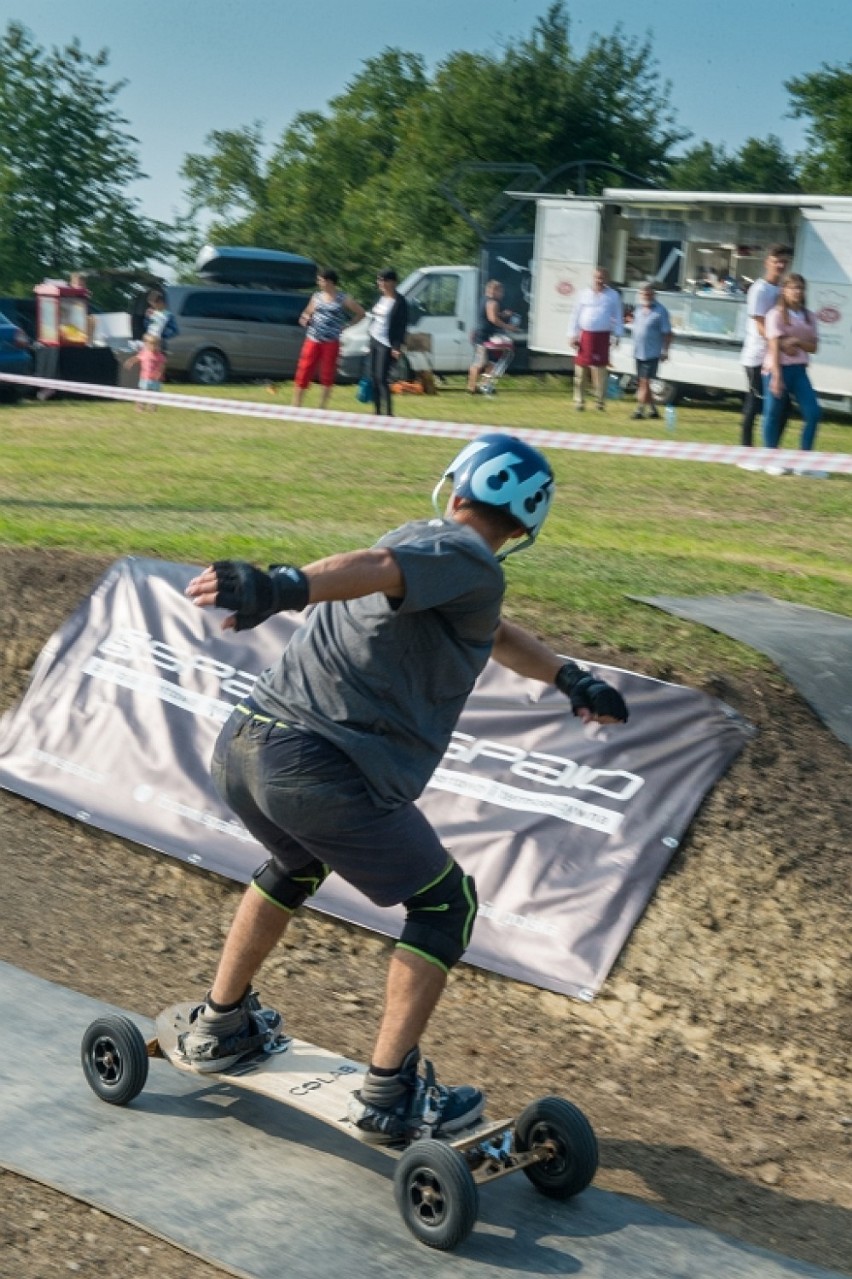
(588, 693)
(254, 595)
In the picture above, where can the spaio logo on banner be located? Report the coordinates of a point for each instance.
(565, 827)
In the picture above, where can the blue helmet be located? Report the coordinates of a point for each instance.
(504, 472)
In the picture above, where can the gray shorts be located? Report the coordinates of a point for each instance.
(301, 797)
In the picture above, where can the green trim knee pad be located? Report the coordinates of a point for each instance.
(289, 889)
(439, 919)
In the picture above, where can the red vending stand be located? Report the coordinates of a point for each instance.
(62, 314)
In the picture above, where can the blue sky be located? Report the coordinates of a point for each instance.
(198, 65)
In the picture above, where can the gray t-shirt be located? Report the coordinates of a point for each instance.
(386, 680)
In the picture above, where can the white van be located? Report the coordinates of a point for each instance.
(442, 308)
(443, 314)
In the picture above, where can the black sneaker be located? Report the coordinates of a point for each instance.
(638, 416)
(219, 1040)
(421, 1107)
(653, 413)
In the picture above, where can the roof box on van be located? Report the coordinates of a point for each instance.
(260, 268)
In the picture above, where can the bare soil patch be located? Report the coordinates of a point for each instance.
(715, 1067)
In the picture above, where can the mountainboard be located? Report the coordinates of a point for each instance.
(436, 1180)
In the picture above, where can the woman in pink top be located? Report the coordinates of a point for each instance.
(791, 334)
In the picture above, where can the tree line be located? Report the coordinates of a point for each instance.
(403, 165)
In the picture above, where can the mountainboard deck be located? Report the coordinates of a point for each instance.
(436, 1179)
(310, 1079)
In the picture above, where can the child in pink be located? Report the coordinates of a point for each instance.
(151, 359)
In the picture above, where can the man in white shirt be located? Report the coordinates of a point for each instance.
(761, 298)
(597, 319)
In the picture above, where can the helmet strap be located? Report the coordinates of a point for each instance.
(436, 494)
(515, 547)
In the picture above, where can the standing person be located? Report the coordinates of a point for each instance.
(492, 320)
(652, 337)
(598, 319)
(151, 359)
(791, 339)
(388, 327)
(159, 320)
(324, 318)
(324, 761)
(761, 297)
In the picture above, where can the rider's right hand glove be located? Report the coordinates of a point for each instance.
(254, 595)
(591, 694)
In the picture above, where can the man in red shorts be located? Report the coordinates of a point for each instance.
(597, 318)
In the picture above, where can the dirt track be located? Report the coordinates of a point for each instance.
(715, 1067)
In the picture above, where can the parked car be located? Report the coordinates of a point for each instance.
(22, 312)
(15, 357)
(228, 332)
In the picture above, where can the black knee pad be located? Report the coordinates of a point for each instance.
(289, 889)
(439, 919)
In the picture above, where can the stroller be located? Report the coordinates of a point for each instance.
(419, 349)
(500, 350)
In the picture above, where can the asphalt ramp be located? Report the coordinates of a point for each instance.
(263, 1191)
(812, 647)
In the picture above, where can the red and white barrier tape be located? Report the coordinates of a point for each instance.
(840, 463)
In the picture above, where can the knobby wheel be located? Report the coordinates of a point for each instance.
(563, 1133)
(115, 1059)
(436, 1194)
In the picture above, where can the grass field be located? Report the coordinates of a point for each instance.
(96, 476)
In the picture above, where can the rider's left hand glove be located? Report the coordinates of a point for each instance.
(591, 694)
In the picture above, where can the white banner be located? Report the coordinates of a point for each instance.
(566, 828)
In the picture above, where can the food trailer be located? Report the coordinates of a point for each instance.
(702, 250)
